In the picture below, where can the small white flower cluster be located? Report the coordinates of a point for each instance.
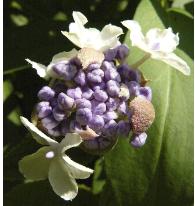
(50, 161)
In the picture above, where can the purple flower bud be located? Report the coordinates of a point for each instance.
(83, 103)
(80, 78)
(76, 62)
(101, 85)
(74, 93)
(113, 88)
(122, 108)
(54, 102)
(49, 122)
(64, 127)
(122, 52)
(55, 132)
(110, 54)
(112, 74)
(96, 123)
(83, 116)
(75, 126)
(95, 76)
(107, 65)
(134, 75)
(123, 70)
(123, 128)
(93, 67)
(58, 114)
(46, 93)
(145, 92)
(112, 103)
(100, 95)
(133, 88)
(64, 101)
(110, 116)
(59, 68)
(67, 71)
(110, 128)
(139, 140)
(129, 74)
(87, 93)
(98, 107)
(43, 109)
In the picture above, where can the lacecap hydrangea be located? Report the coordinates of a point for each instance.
(94, 97)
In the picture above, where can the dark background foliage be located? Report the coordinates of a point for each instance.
(32, 30)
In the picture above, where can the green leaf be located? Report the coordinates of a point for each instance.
(7, 89)
(181, 3)
(98, 177)
(19, 20)
(161, 172)
(181, 11)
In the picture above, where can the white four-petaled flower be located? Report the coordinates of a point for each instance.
(160, 44)
(91, 37)
(51, 162)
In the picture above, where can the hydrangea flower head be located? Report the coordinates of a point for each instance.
(94, 97)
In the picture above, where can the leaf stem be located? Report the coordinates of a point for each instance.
(10, 71)
(141, 61)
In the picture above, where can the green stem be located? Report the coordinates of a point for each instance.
(141, 61)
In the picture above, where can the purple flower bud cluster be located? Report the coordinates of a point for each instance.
(92, 98)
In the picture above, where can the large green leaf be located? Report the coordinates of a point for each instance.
(160, 173)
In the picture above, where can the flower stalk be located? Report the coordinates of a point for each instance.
(141, 61)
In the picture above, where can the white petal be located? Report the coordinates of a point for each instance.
(73, 37)
(91, 38)
(61, 180)
(78, 171)
(79, 18)
(35, 166)
(136, 36)
(38, 135)
(70, 140)
(174, 61)
(64, 56)
(162, 40)
(110, 31)
(40, 68)
(77, 31)
(109, 37)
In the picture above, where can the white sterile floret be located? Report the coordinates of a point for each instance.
(91, 37)
(159, 43)
(51, 162)
(46, 71)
